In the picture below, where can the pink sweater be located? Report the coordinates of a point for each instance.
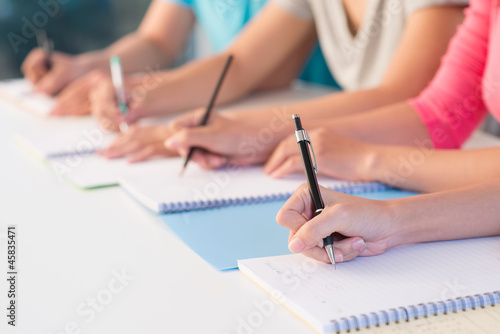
(468, 81)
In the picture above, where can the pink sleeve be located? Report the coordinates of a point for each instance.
(452, 106)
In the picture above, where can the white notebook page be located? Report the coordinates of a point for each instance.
(166, 187)
(20, 93)
(92, 171)
(424, 273)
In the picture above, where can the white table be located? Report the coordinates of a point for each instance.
(72, 243)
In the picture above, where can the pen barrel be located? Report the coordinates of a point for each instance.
(297, 122)
(312, 181)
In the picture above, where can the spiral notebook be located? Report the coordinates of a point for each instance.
(20, 93)
(78, 140)
(166, 191)
(402, 284)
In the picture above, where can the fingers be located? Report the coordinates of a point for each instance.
(311, 233)
(344, 250)
(77, 108)
(103, 107)
(208, 160)
(74, 99)
(291, 165)
(34, 67)
(297, 210)
(149, 152)
(123, 145)
(287, 148)
(52, 82)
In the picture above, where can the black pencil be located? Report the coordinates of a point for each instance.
(210, 106)
(47, 45)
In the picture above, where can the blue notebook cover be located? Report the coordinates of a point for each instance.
(222, 236)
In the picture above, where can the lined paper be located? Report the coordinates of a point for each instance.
(411, 275)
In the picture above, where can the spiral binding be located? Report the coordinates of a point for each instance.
(71, 153)
(415, 312)
(349, 188)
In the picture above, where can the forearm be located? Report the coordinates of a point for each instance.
(422, 169)
(463, 213)
(396, 124)
(137, 55)
(192, 85)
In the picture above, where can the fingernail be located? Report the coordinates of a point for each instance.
(359, 244)
(170, 143)
(339, 257)
(275, 175)
(296, 245)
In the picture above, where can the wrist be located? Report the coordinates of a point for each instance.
(372, 163)
(89, 61)
(400, 216)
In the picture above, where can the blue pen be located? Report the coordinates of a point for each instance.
(117, 78)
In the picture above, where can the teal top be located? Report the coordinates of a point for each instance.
(222, 20)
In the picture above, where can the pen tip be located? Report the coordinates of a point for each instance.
(331, 255)
(182, 171)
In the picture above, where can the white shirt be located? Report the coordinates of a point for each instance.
(360, 61)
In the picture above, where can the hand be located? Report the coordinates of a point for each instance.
(65, 68)
(140, 143)
(224, 140)
(104, 107)
(337, 157)
(367, 225)
(74, 99)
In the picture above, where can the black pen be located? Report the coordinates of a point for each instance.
(209, 107)
(311, 170)
(47, 45)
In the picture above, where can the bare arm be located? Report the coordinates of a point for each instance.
(421, 169)
(467, 212)
(414, 64)
(372, 227)
(260, 49)
(160, 37)
(158, 40)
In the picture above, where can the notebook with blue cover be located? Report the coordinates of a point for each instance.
(222, 236)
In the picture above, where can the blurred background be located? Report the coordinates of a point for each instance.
(77, 26)
(74, 25)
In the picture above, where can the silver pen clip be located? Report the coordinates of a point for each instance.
(302, 135)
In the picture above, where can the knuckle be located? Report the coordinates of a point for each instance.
(281, 218)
